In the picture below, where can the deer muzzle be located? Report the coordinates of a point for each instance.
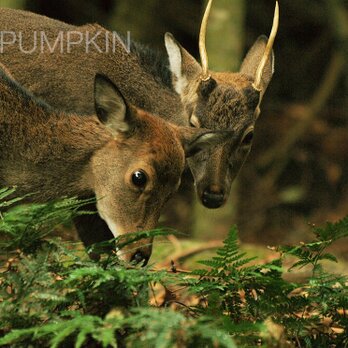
(137, 252)
(213, 197)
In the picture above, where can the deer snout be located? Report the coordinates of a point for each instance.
(213, 197)
(141, 257)
(138, 252)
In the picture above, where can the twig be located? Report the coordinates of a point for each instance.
(179, 256)
(176, 243)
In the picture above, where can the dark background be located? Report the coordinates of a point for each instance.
(297, 172)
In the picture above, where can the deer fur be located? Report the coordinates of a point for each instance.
(227, 101)
(169, 86)
(70, 76)
(49, 154)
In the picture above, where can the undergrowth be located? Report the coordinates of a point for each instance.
(53, 295)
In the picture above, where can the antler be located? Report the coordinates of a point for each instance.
(268, 49)
(202, 49)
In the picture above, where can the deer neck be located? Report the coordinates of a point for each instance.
(45, 152)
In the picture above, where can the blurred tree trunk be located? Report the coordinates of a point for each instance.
(137, 17)
(12, 3)
(72, 11)
(225, 35)
(225, 38)
(149, 20)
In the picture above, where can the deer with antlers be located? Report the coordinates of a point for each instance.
(221, 100)
(193, 96)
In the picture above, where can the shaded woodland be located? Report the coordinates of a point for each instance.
(211, 290)
(297, 172)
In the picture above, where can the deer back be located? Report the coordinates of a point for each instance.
(57, 62)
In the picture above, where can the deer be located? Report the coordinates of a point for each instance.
(221, 100)
(177, 86)
(131, 160)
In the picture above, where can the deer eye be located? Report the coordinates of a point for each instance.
(139, 178)
(248, 138)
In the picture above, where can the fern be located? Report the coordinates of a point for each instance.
(247, 293)
(53, 295)
(24, 227)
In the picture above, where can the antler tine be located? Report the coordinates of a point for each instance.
(202, 49)
(268, 49)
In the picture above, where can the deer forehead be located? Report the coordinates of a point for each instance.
(161, 157)
(235, 79)
(230, 105)
(226, 110)
(153, 144)
(163, 162)
(160, 137)
(119, 161)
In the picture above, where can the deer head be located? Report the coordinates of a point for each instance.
(138, 170)
(131, 160)
(221, 100)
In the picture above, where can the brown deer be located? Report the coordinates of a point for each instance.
(131, 160)
(176, 86)
(209, 99)
(221, 100)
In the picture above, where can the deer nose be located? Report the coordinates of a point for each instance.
(140, 256)
(213, 197)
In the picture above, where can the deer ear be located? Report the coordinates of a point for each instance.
(183, 66)
(196, 140)
(111, 107)
(253, 59)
